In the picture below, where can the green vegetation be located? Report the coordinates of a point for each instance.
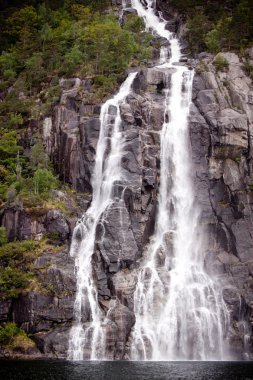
(220, 63)
(3, 236)
(13, 337)
(12, 282)
(15, 260)
(17, 264)
(18, 252)
(248, 68)
(217, 25)
(25, 179)
(43, 42)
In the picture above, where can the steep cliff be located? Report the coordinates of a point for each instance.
(221, 137)
(220, 129)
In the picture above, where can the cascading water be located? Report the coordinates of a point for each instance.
(90, 335)
(180, 313)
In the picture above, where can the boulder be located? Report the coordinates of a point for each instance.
(56, 223)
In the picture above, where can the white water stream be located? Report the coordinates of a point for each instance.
(85, 335)
(180, 313)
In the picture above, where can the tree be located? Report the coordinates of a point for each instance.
(35, 71)
(38, 157)
(44, 181)
(108, 46)
(212, 41)
(21, 19)
(197, 27)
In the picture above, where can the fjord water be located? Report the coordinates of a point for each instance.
(94, 370)
(179, 309)
(107, 172)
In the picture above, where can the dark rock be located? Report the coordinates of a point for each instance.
(57, 223)
(5, 307)
(53, 344)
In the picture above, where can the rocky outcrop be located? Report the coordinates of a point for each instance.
(72, 132)
(46, 313)
(36, 222)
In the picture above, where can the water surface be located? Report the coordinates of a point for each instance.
(94, 370)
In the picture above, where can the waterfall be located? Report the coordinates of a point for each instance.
(179, 309)
(88, 332)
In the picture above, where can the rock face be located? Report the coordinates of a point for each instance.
(221, 123)
(46, 313)
(72, 138)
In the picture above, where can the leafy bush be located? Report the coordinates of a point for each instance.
(8, 331)
(15, 259)
(134, 23)
(43, 181)
(212, 41)
(16, 119)
(220, 63)
(12, 282)
(17, 251)
(14, 337)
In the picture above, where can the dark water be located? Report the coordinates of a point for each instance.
(62, 370)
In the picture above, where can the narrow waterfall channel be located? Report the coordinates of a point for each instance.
(107, 172)
(180, 313)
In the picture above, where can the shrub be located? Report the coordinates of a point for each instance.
(9, 74)
(43, 181)
(212, 41)
(16, 251)
(134, 23)
(220, 63)
(38, 157)
(8, 331)
(3, 236)
(16, 119)
(12, 282)
(14, 337)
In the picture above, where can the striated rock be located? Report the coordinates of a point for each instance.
(74, 135)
